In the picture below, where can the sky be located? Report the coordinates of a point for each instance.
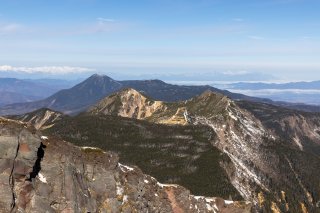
(255, 40)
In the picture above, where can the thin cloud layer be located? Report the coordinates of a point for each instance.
(46, 69)
(10, 28)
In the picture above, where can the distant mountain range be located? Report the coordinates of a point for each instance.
(14, 90)
(96, 87)
(81, 96)
(295, 92)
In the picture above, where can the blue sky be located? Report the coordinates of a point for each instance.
(278, 38)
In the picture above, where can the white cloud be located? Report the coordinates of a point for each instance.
(234, 73)
(100, 25)
(262, 92)
(105, 19)
(45, 69)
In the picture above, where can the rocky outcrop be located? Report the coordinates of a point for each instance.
(127, 103)
(41, 174)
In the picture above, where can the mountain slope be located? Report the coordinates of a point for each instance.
(267, 164)
(173, 154)
(302, 129)
(38, 174)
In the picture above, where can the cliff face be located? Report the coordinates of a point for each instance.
(40, 174)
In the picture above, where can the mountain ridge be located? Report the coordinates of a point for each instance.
(96, 87)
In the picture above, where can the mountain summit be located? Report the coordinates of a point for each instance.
(127, 103)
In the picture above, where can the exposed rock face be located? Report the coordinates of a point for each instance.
(48, 175)
(40, 119)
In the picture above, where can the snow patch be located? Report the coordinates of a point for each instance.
(232, 116)
(210, 208)
(119, 189)
(298, 142)
(44, 137)
(42, 178)
(228, 202)
(199, 197)
(88, 147)
(125, 199)
(125, 168)
(91, 148)
(167, 185)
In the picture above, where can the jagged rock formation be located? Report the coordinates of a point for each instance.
(40, 119)
(40, 174)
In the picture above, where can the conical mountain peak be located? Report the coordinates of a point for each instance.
(210, 93)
